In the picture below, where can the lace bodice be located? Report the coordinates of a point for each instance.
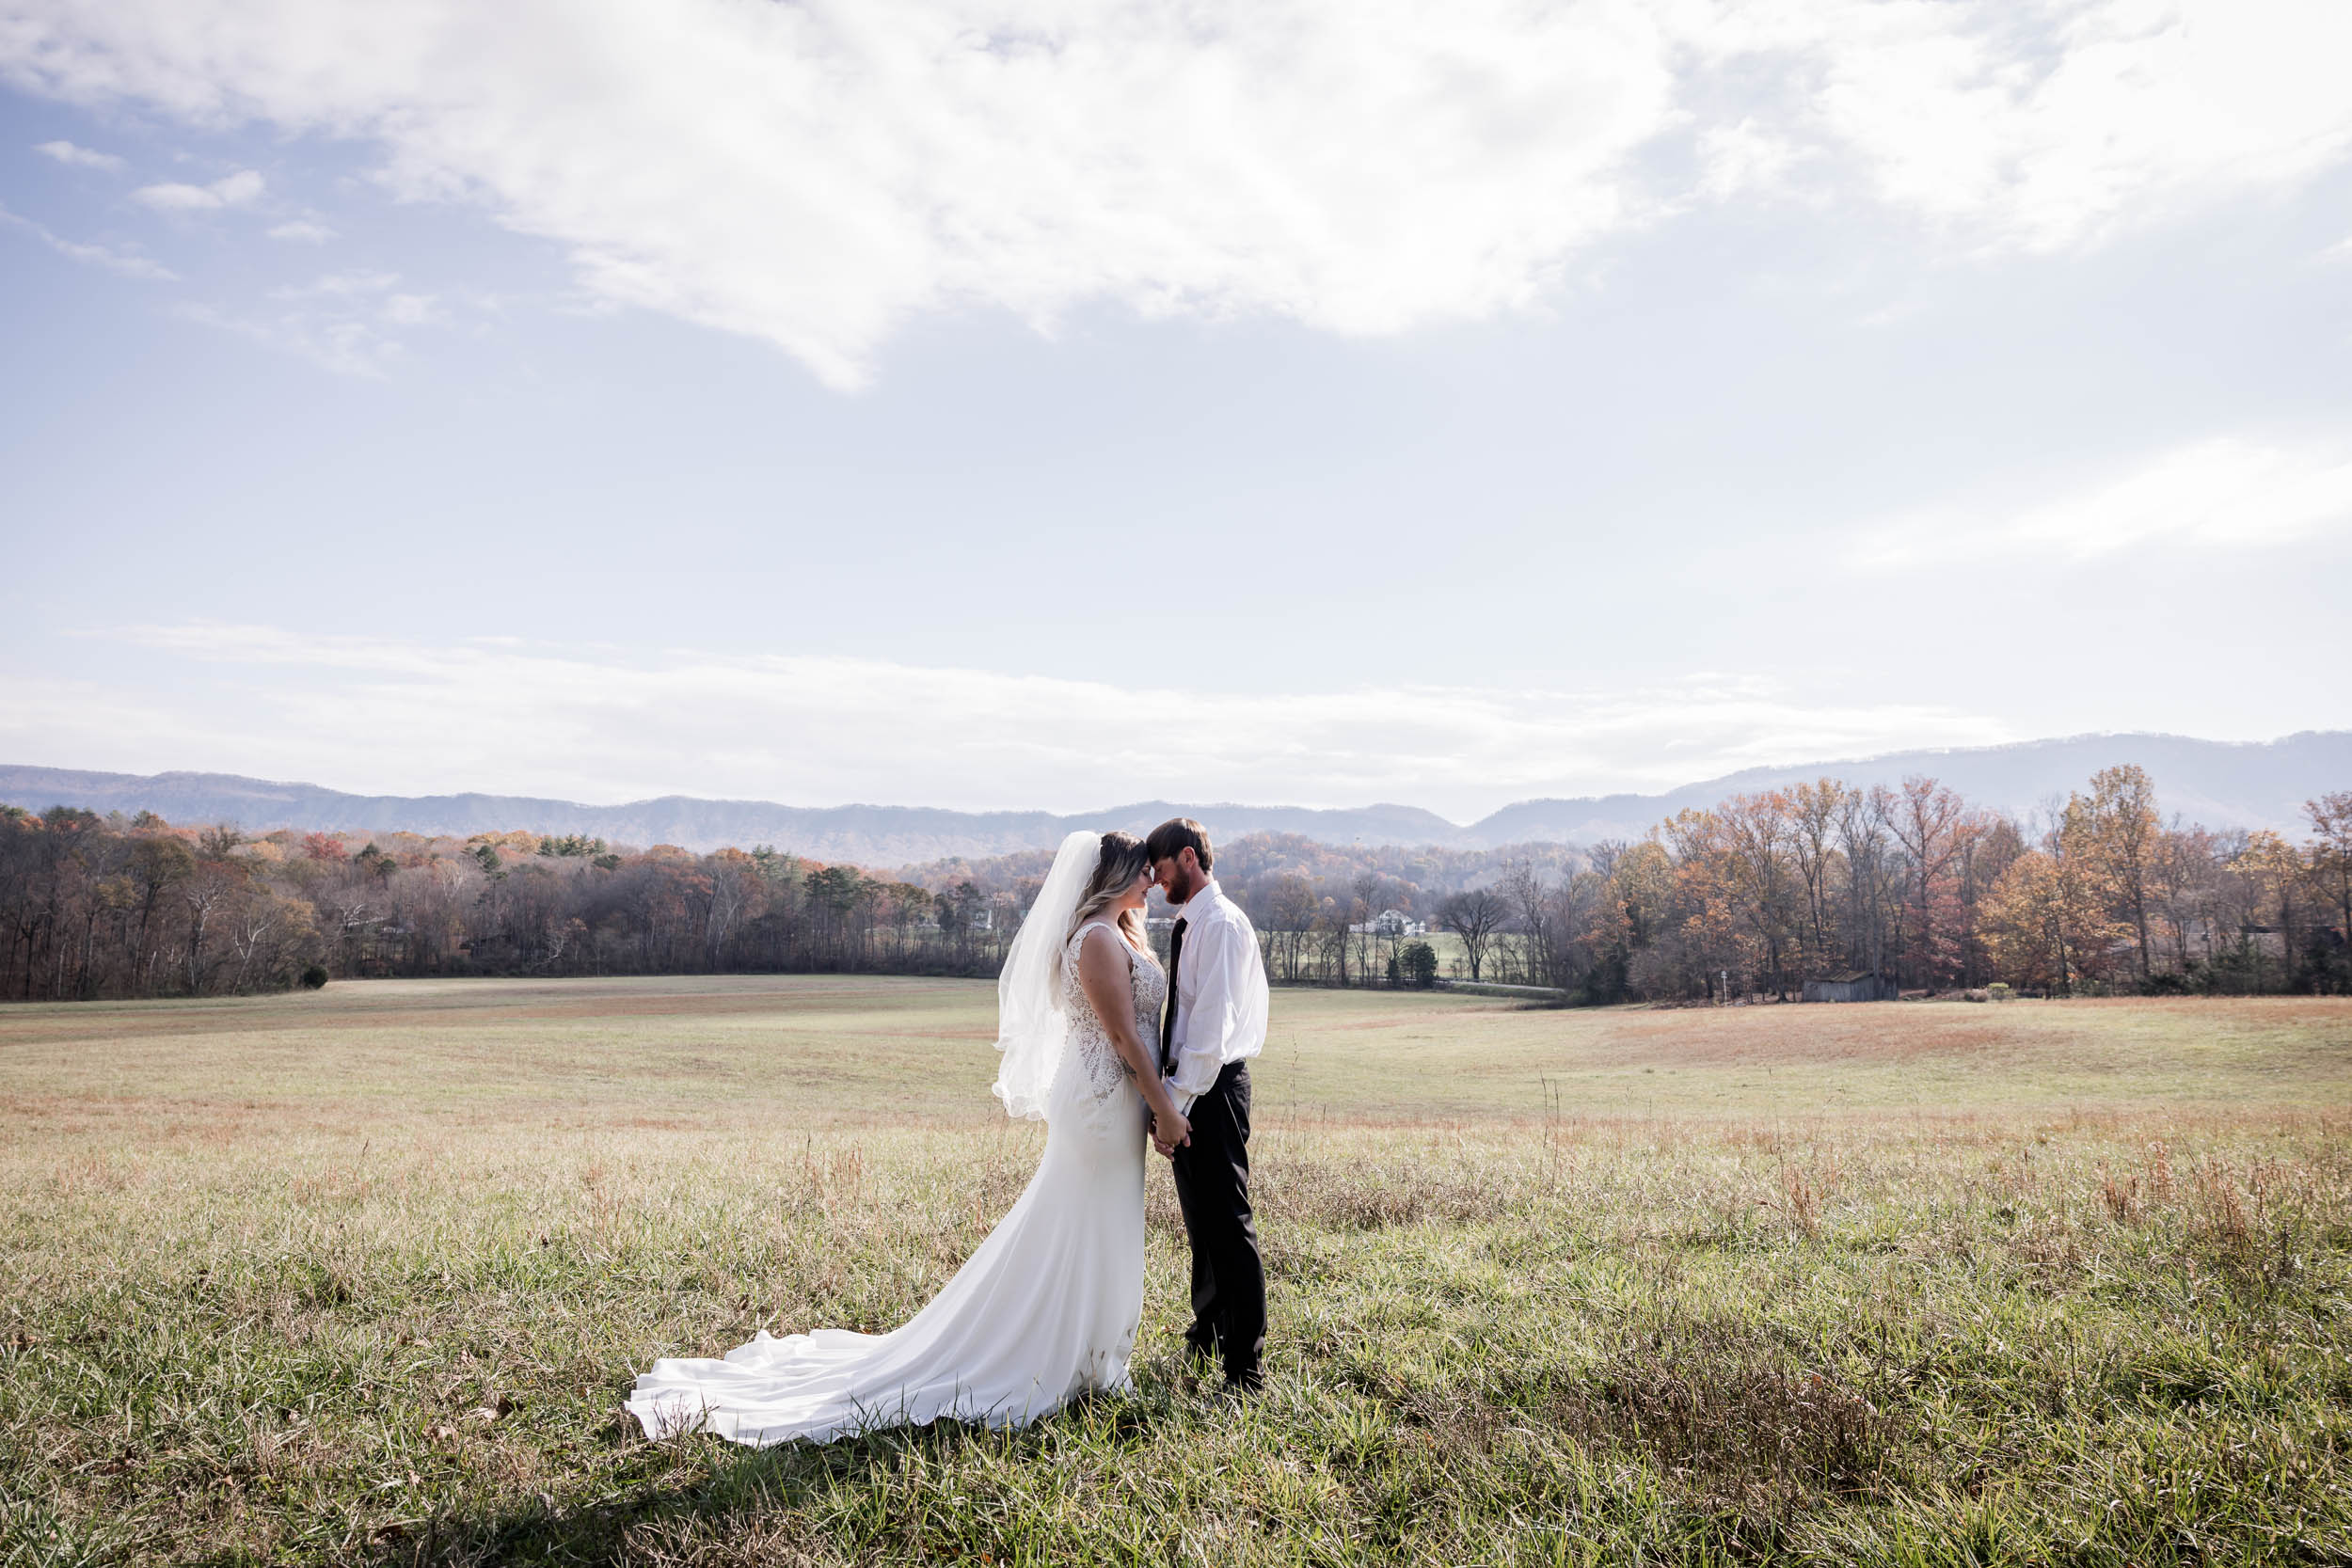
(1099, 1065)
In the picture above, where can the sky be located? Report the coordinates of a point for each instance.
(998, 404)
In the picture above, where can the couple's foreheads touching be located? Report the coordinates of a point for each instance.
(1175, 858)
(1179, 853)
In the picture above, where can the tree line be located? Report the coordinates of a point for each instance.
(2096, 895)
(104, 907)
(1749, 898)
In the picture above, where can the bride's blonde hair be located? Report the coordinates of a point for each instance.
(1120, 860)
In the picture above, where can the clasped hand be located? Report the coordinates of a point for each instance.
(1170, 1132)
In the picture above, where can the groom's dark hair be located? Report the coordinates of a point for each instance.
(1179, 833)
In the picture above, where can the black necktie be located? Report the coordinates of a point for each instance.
(1168, 1018)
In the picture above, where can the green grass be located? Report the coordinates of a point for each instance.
(363, 1275)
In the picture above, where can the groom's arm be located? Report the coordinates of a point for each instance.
(1227, 1019)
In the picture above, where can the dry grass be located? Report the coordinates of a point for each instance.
(366, 1281)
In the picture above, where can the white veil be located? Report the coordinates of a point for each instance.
(1032, 1023)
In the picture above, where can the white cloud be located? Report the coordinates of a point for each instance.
(128, 264)
(2045, 127)
(1744, 157)
(388, 715)
(412, 309)
(816, 174)
(346, 345)
(2225, 493)
(80, 157)
(339, 320)
(343, 285)
(303, 231)
(240, 189)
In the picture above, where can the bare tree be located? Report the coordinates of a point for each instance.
(1475, 916)
(2331, 850)
(1367, 888)
(1862, 838)
(1930, 823)
(1291, 913)
(1814, 810)
(257, 924)
(1530, 900)
(203, 894)
(349, 916)
(734, 883)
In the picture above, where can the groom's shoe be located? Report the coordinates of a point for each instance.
(1200, 1347)
(1244, 1382)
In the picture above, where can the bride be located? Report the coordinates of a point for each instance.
(1046, 1308)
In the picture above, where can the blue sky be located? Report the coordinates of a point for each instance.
(1001, 405)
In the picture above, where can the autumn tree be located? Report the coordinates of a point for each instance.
(2188, 878)
(1985, 857)
(2277, 875)
(1633, 909)
(2122, 830)
(1931, 824)
(1758, 847)
(1707, 937)
(2048, 923)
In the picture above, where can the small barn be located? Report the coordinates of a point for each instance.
(1861, 985)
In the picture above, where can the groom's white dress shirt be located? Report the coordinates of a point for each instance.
(1221, 995)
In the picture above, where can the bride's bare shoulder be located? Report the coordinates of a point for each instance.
(1101, 953)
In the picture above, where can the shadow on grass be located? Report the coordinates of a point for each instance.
(685, 1495)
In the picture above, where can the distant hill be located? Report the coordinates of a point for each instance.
(868, 835)
(2220, 784)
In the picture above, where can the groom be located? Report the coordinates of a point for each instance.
(1215, 1021)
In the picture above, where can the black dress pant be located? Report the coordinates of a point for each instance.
(1213, 1188)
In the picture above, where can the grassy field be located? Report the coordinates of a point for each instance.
(361, 1275)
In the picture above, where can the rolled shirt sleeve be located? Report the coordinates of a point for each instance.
(1227, 1019)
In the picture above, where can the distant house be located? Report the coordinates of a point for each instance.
(1390, 923)
(1861, 985)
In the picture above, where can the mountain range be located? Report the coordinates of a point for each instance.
(2220, 783)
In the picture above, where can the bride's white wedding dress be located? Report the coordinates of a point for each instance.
(1044, 1310)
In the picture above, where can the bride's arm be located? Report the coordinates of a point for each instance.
(1103, 973)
